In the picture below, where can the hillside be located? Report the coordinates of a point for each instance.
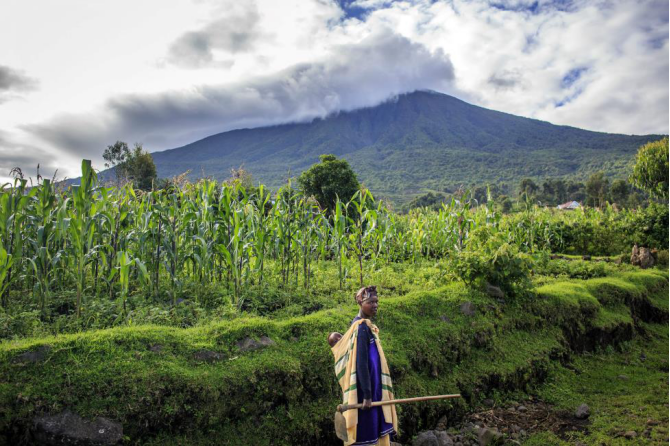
(422, 141)
(164, 386)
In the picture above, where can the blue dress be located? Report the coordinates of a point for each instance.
(371, 424)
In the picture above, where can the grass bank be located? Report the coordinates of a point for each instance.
(196, 386)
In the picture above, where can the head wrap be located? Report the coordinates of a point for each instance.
(365, 293)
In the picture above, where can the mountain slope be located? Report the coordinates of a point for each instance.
(421, 141)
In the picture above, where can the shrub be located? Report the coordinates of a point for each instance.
(497, 262)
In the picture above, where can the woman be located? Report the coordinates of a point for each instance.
(375, 424)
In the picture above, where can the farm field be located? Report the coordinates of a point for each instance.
(198, 314)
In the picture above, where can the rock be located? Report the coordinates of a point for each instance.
(623, 377)
(642, 257)
(443, 439)
(445, 319)
(586, 257)
(488, 402)
(582, 412)
(488, 436)
(647, 433)
(494, 291)
(38, 355)
(156, 348)
(522, 409)
(67, 428)
(207, 356)
(426, 438)
(468, 308)
(651, 422)
(630, 435)
(442, 424)
(247, 344)
(183, 301)
(266, 342)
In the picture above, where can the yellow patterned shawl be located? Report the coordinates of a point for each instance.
(345, 371)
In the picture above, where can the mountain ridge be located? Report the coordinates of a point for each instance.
(417, 142)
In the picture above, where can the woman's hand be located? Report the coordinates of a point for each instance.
(367, 404)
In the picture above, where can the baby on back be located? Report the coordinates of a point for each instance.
(334, 338)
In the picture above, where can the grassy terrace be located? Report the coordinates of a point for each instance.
(157, 382)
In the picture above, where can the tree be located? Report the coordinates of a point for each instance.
(575, 191)
(650, 172)
(328, 180)
(429, 200)
(528, 187)
(136, 165)
(620, 191)
(597, 189)
(115, 155)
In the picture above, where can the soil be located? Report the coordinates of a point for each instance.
(534, 416)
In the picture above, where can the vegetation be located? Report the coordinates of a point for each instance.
(153, 379)
(160, 246)
(650, 172)
(329, 181)
(136, 166)
(137, 305)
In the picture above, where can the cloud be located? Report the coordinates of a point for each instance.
(236, 32)
(599, 65)
(352, 76)
(13, 81)
(26, 157)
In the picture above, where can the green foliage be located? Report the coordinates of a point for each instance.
(662, 257)
(134, 165)
(219, 244)
(573, 269)
(650, 172)
(429, 200)
(597, 190)
(329, 180)
(495, 262)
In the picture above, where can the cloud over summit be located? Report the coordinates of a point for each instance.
(382, 65)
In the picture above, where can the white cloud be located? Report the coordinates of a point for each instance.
(352, 76)
(173, 75)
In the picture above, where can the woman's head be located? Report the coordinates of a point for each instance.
(367, 299)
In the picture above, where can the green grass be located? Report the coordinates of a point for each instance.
(287, 391)
(617, 405)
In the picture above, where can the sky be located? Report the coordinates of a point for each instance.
(78, 75)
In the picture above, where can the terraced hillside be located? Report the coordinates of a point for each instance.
(268, 381)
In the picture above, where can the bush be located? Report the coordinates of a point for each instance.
(498, 263)
(25, 323)
(574, 269)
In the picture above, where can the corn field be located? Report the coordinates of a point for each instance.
(103, 242)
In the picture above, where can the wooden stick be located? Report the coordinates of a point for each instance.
(344, 407)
